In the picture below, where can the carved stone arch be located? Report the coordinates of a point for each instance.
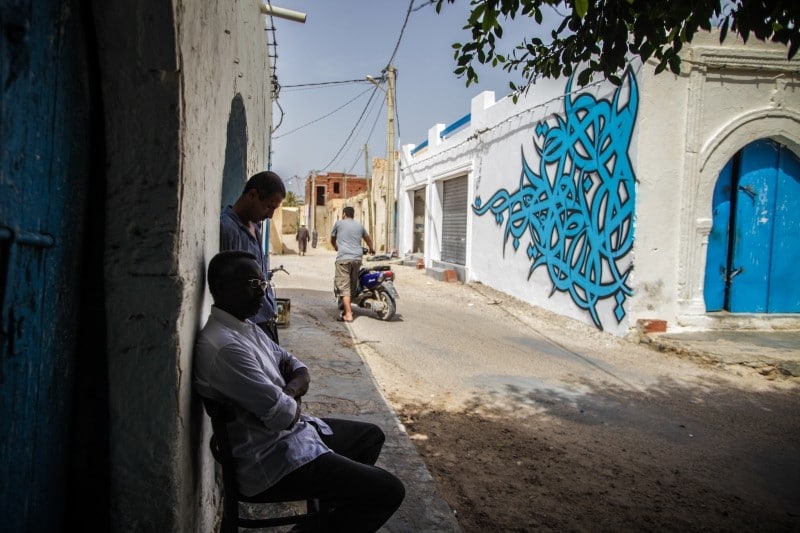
(780, 125)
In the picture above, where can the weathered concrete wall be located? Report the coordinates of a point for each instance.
(690, 127)
(570, 188)
(173, 76)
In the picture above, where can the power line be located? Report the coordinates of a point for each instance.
(400, 37)
(359, 122)
(371, 96)
(322, 117)
(322, 83)
(371, 131)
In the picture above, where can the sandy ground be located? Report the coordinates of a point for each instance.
(703, 449)
(499, 474)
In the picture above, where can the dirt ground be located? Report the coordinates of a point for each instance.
(502, 471)
(720, 455)
(709, 451)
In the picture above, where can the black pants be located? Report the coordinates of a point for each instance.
(361, 497)
(270, 327)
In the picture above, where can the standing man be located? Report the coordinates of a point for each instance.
(241, 229)
(302, 239)
(346, 238)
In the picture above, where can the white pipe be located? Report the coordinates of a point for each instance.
(283, 13)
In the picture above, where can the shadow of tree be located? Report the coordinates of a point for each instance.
(603, 457)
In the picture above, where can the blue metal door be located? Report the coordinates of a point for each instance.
(754, 244)
(43, 174)
(784, 289)
(717, 258)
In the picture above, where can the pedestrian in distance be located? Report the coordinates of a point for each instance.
(241, 228)
(302, 239)
(279, 449)
(346, 236)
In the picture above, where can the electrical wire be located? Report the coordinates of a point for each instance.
(350, 135)
(324, 116)
(321, 83)
(364, 112)
(272, 55)
(400, 37)
(389, 63)
(371, 131)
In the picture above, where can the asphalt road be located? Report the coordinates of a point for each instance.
(467, 342)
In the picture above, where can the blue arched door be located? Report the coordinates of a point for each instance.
(754, 244)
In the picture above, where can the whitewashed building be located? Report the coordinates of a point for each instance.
(668, 198)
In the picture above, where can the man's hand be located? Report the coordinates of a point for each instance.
(284, 367)
(297, 383)
(371, 251)
(296, 413)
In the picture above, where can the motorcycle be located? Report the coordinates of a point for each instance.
(375, 291)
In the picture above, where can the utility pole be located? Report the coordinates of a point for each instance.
(313, 213)
(390, 74)
(370, 215)
(390, 162)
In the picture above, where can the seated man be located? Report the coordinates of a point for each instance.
(278, 448)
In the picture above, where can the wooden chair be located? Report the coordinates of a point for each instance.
(314, 519)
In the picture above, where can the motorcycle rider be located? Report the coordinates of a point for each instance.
(346, 237)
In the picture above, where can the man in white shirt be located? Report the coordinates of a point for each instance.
(278, 448)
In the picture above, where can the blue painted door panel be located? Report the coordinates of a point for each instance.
(753, 232)
(43, 172)
(766, 226)
(717, 253)
(754, 244)
(784, 287)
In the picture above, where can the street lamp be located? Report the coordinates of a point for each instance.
(390, 75)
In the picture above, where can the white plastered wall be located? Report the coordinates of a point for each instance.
(687, 128)
(170, 72)
(690, 127)
(489, 152)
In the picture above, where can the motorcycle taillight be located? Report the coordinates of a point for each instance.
(388, 275)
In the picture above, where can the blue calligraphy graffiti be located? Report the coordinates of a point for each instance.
(578, 208)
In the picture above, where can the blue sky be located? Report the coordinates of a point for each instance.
(348, 40)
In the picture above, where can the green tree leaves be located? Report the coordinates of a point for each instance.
(601, 36)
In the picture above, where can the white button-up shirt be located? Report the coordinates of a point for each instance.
(236, 362)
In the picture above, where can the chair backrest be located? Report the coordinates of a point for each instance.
(221, 414)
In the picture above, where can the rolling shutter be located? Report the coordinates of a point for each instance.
(454, 221)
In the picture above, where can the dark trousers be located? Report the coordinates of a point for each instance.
(271, 329)
(361, 497)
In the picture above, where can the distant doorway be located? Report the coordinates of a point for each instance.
(419, 222)
(454, 220)
(754, 244)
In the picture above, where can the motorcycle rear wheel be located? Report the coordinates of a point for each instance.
(389, 306)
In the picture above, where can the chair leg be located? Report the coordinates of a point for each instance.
(321, 521)
(229, 524)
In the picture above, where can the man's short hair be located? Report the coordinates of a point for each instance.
(266, 183)
(349, 212)
(222, 266)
